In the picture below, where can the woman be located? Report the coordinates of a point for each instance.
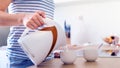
(22, 14)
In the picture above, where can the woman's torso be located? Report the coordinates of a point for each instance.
(25, 6)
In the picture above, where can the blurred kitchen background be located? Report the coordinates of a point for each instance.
(90, 20)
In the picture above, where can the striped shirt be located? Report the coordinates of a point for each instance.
(25, 6)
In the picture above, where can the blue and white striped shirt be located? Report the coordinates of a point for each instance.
(25, 6)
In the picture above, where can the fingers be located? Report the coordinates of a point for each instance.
(38, 20)
(41, 13)
(30, 26)
(34, 20)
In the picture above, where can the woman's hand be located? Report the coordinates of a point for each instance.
(34, 20)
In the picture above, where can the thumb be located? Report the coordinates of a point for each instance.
(41, 13)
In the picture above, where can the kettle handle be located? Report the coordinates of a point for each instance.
(48, 23)
(25, 32)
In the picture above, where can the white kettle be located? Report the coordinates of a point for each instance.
(39, 44)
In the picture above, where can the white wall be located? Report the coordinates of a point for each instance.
(100, 19)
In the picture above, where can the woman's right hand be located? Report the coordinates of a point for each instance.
(34, 20)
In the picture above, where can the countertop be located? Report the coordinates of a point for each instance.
(81, 63)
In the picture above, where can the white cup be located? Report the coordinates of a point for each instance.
(68, 56)
(90, 54)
